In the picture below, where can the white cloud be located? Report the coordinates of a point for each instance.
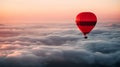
(66, 47)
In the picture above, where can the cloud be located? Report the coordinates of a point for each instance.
(8, 34)
(104, 47)
(7, 31)
(60, 47)
(1, 24)
(58, 40)
(9, 47)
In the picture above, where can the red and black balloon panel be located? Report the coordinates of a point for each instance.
(86, 22)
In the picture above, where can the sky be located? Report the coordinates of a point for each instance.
(32, 11)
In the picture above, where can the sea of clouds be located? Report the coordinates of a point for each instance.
(59, 45)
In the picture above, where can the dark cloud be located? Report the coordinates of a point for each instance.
(8, 33)
(58, 40)
(104, 47)
(60, 47)
(1, 24)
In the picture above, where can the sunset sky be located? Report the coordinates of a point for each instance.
(25, 11)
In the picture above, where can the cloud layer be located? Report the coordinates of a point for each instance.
(59, 45)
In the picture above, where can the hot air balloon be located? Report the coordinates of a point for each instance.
(86, 21)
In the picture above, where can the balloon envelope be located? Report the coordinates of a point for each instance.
(86, 21)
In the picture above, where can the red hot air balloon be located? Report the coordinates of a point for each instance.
(86, 21)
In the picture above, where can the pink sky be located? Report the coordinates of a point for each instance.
(17, 11)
